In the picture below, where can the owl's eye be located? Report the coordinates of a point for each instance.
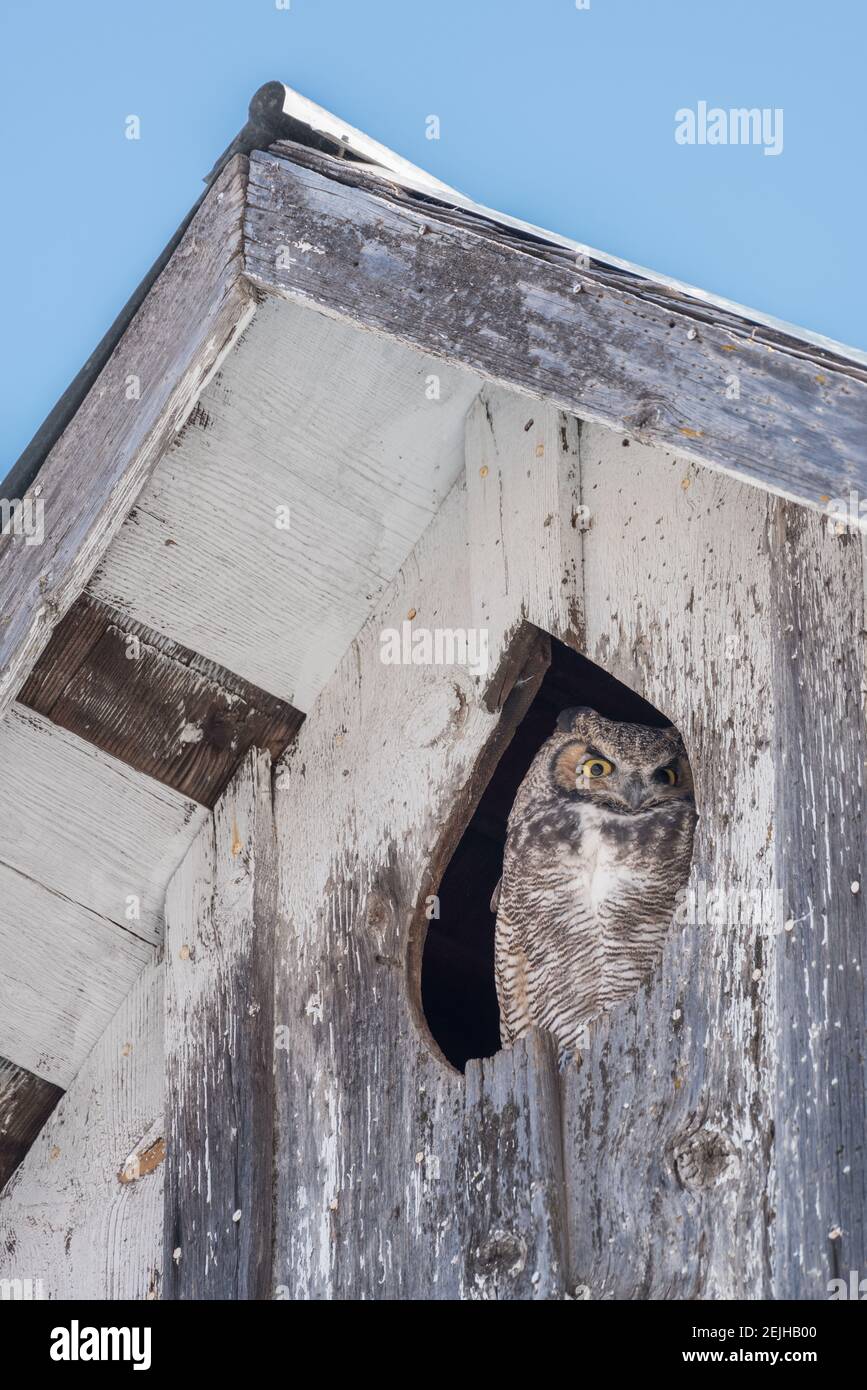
(597, 767)
(667, 774)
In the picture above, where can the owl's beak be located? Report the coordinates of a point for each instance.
(632, 791)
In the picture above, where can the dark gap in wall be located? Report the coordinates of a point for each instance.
(457, 980)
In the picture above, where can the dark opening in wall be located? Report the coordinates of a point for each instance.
(458, 994)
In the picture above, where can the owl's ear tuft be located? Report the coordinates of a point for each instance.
(568, 719)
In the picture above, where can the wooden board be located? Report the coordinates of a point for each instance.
(63, 972)
(220, 918)
(672, 1111)
(395, 1178)
(86, 827)
(666, 372)
(820, 660)
(26, 1101)
(728, 1098)
(158, 707)
(312, 423)
(94, 473)
(68, 1223)
(717, 1098)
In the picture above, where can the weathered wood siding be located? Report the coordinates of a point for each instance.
(708, 1146)
(26, 1101)
(74, 1218)
(323, 453)
(220, 916)
(395, 1177)
(143, 395)
(522, 313)
(161, 708)
(87, 847)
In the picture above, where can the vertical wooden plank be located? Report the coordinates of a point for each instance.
(669, 1123)
(820, 1083)
(514, 1217)
(74, 1218)
(220, 912)
(393, 1174)
(525, 517)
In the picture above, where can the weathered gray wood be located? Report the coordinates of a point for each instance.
(63, 972)
(820, 658)
(394, 1177)
(524, 501)
(220, 917)
(67, 1220)
(161, 708)
(513, 1217)
(87, 847)
(513, 316)
(704, 1117)
(87, 827)
(348, 441)
(669, 1123)
(709, 1101)
(26, 1101)
(91, 478)
(416, 187)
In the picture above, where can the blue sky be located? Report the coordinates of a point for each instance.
(562, 116)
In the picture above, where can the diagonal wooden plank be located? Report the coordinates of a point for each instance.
(87, 827)
(70, 1218)
(791, 420)
(63, 972)
(157, 706)
(26, 1101)
(91, 478)
(323, 452)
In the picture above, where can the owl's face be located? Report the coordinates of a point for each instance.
(625, 768)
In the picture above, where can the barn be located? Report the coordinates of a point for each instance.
(364, 485)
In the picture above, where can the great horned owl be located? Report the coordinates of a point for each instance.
(598, 845)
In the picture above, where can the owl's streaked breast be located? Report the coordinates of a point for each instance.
(587, 897)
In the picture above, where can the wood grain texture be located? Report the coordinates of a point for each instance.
(523, 497)
(160, 708)
(518, 317)
(63, 973)
(86, 827)
(672, 1111)
(26, 1101)
(395, 1178)
(598, 267)
(94, 473)
(65, 1218)
(820, 659)
(718, 1110)
(329, 431)
(714, 1100)
(220, 920)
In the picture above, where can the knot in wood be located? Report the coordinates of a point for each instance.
(703, 1159)
(501, 1254)
(377, 910)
